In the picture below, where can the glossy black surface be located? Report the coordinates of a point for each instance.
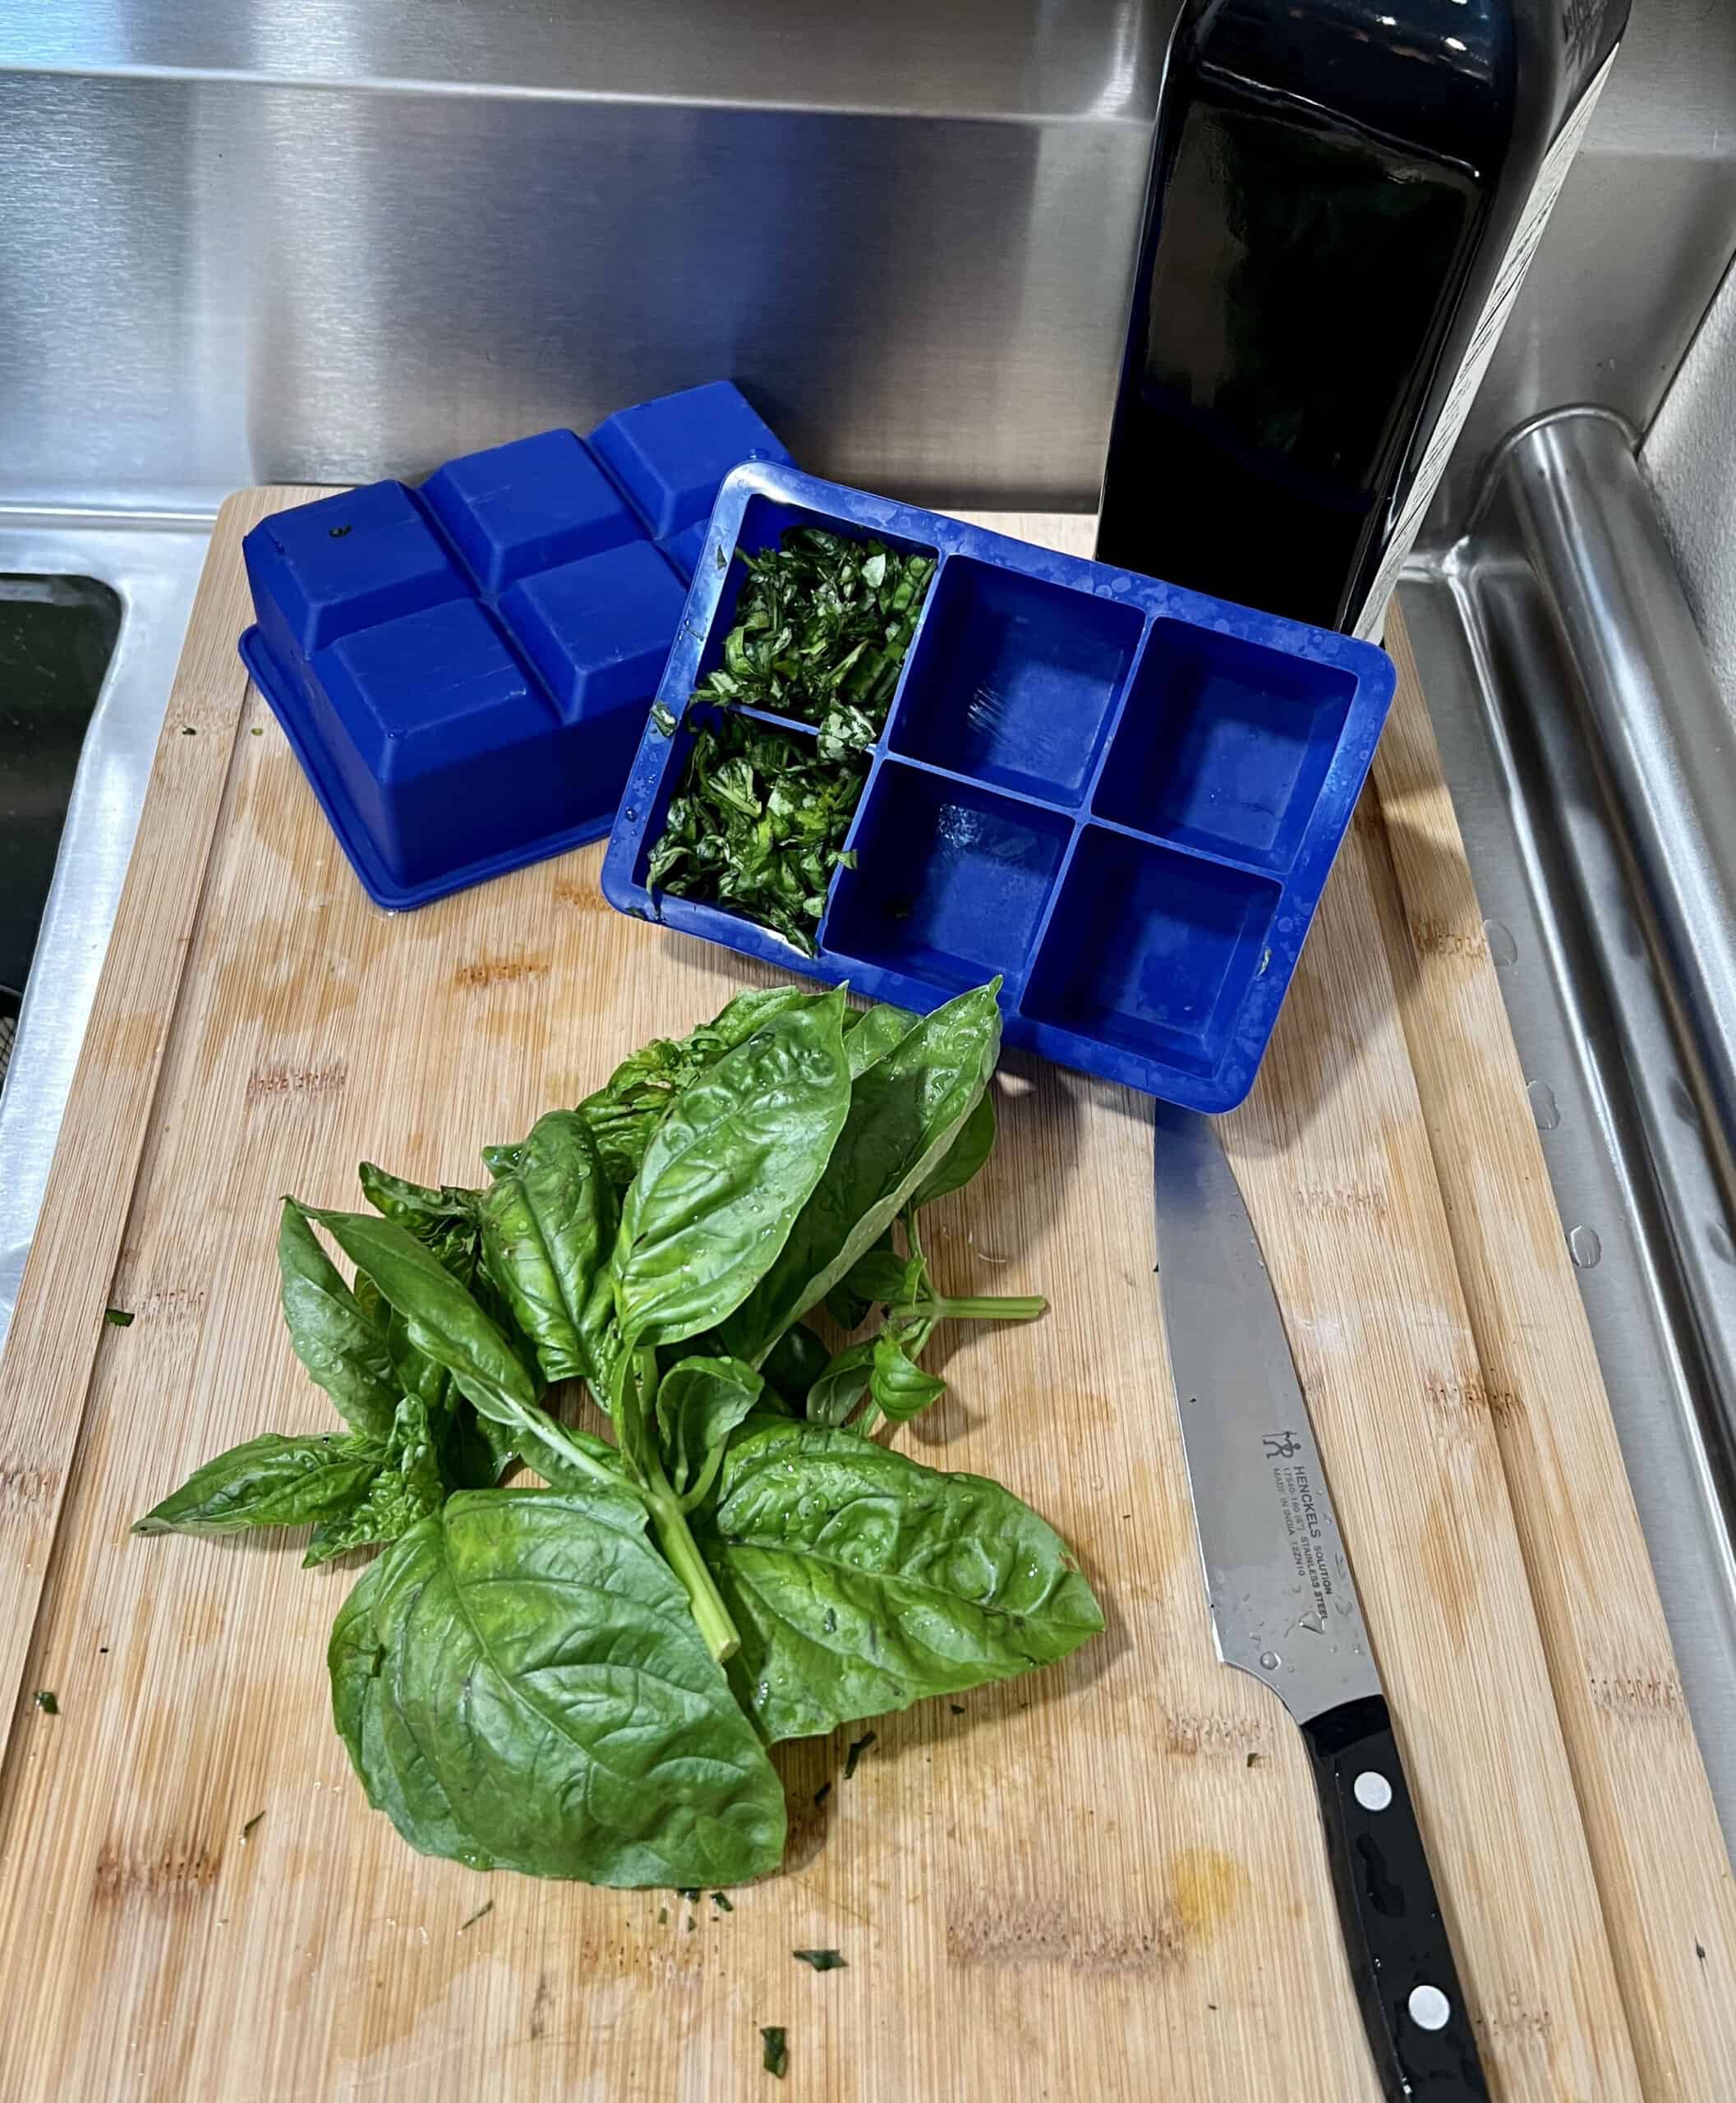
(1334, 186)
(1394, 1935)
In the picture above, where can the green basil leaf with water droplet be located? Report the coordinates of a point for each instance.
(700, 1401)
(899, 1384)
(548, 1229)
(427, 1209)
(270, 1481)
(337, 1340)
(523, 1687)
(906, 1111)
(870, 1034)
(407, 1488)
(841, 1383)
(625, 1112)
(862, 1581)
(727, 1173)
(965, 1157)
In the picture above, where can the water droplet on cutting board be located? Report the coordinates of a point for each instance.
(1586, 1246)
(1543, 1107)
(1503, 949)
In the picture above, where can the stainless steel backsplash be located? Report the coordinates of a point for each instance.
(325, 239)
(316, 240)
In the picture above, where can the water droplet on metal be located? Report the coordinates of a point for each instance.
(1270, 1660)
(1543, 1107)
(1499, 937)
(1586, 1247)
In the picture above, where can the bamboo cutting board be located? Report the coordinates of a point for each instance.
(1105, 1880)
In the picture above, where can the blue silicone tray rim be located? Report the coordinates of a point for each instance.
(1298, 886)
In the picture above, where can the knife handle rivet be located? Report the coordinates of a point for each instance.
(1373, 1790)
(1429, 2008)
(1270, 1661)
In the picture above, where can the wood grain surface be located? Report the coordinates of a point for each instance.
(1664, 1875)
(1105, 1880)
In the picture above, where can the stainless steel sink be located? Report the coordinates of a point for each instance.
(93, 609)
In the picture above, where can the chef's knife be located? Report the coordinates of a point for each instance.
(1283, 1608)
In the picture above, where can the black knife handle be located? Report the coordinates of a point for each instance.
(1413, 2006)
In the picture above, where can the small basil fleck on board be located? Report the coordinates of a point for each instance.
(775, 2055)
(117, 1317)
(47, 1701)
(821, 1960)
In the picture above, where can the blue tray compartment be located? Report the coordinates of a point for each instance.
(1017, 680)
(463, 670)
(1123, 796)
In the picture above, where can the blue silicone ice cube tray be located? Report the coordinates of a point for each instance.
(1123, 796)
(463, 669)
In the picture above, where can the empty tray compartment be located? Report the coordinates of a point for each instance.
(1151, 950)
(1014, 680)
(1224, 744)
(950, 880)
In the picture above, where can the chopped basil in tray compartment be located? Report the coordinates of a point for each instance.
(821, 628)
(915, 755)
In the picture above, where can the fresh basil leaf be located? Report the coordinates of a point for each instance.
(557, 1468)
(408, 1486)
(794, 1363)
(625, 1112)
(501, 1161)
(335, 1338)
(426, 1209)
(849, 1308)
(862, 1581)
(899, 1384)
(904, 1113)
(270, 1481)
(475, 1451)
(875, 1031)
(700, 1401)
(726, 1174)
(442, 1321)
(965, 1157)
(375, 1312)
(548, 1228)
(396, 1776)
(525, 1687)
(884, 1279)
(841, 1383)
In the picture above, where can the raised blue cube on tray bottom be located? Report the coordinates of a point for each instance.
(463, 670)
(527, 506)
(1123, 796)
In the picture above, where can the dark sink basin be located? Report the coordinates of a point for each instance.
(57, 636)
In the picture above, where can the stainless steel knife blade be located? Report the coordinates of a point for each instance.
(1284, 1609)
(1283, 1604)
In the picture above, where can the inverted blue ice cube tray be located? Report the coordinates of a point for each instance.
(463, 669)
(1123, 797)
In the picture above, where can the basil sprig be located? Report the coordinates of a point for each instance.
(582, 1679)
